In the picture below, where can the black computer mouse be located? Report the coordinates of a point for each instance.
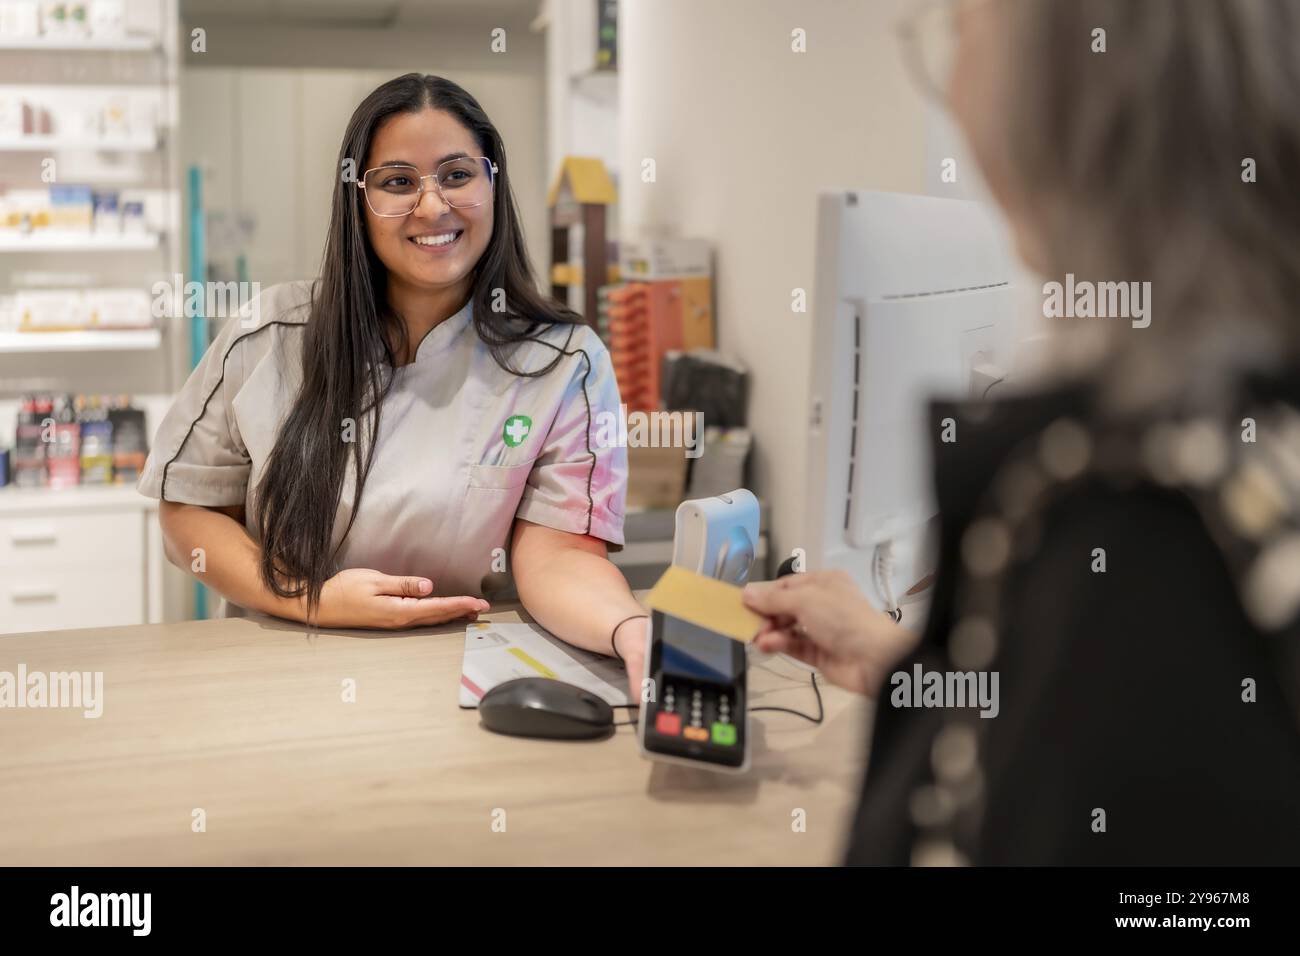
(541, 707)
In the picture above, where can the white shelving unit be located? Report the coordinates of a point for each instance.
(49, 241)
(127, 44)
(90, 340)
(52, 144)
(91, 555)
(78, 557)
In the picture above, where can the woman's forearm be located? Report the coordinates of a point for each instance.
(218, 550)
(568, 586)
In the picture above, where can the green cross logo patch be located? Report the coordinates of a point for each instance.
(516, 429)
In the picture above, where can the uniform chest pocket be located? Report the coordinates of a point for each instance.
(487, 513)
(499, 477)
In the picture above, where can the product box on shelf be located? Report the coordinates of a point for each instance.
(20, 19)
(653, 259)
(58, 310)
(666, 306)
(65, 440)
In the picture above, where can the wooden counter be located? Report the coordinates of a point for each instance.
(245, 720)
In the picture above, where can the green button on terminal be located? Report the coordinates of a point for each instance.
(724, 734)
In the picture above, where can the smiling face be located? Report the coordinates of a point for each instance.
(434, 249)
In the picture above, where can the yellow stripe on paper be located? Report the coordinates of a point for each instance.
(534, 663)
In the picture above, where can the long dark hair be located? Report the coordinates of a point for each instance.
(348, 346)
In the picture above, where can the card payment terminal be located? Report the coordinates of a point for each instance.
(699, 712)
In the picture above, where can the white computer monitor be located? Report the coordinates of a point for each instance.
(913, 299)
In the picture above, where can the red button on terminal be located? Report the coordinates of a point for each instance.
(668, 724)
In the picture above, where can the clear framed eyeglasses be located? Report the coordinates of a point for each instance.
(393, 191)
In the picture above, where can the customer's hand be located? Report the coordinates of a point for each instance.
(360, 597)
(821, 618)
(631, 642)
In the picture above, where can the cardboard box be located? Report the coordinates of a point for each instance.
(654, 259)
(656, 477)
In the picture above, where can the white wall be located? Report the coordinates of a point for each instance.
(266, 107)
(744, 133)
(581, 104)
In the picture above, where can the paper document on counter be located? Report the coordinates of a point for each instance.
(496, 653)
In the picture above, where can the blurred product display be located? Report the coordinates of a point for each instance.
(61, 441)
(659, 327)
(666, 308)
(92, 221)
(102, 116)
(63, 19)
(66, 310)
(70, 210)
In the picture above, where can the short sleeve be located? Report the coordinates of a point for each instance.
(197, 456)
(578, 483)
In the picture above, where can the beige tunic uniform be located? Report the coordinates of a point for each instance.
(465, 447)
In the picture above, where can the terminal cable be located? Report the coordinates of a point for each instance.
(821, 707)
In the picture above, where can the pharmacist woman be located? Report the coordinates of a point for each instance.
(363, 449)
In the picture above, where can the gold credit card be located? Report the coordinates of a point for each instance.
(706, 602)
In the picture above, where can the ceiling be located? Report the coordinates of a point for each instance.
(413, 14)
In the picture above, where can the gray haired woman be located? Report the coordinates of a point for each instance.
(1123, 548)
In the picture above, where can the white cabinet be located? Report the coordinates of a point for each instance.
(81, 557)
